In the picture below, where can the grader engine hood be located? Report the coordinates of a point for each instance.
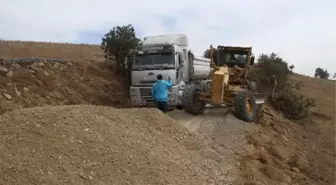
(148, 77)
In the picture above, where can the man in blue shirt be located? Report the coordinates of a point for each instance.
(160, 92)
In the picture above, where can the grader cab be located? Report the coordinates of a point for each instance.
(227, 84)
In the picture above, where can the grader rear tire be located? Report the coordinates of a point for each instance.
(246, 107)
(191, 103)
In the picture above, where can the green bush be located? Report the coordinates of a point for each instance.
(292, 103)
(267, 67)
(287, 97)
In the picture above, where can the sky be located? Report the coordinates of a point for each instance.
(302, 32)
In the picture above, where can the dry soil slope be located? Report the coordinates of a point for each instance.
(84, 79)
(86, 144)
(301, 152)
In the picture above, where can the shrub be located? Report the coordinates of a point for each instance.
(287, 97)
(267, 67)
(321, 73)
(292, 103)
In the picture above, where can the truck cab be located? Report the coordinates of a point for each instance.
(166, 55)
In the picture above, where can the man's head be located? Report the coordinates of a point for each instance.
(159, 77)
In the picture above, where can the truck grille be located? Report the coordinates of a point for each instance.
(146, 94)
(148, 99)
(147, 82)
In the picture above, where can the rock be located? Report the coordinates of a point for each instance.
(56, 65)
(238, 164)
(34, 66)
(25, 89)
(296, 170)
(3, 69)
(69, 63)
(17, 92)
(249, 149)
(46, 73)
(287, 179)
(7, 96)
(284, 138)
(15, 66)
(250, 183)
(39, 82)
(10, 74)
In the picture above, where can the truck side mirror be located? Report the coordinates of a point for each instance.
(252, 60)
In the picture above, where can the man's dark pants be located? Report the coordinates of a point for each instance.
(162, 105)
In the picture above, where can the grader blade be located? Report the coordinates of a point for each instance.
(260, 97)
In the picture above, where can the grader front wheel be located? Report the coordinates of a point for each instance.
(246, 107)
(191, 103)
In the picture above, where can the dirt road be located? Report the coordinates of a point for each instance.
(219, 128)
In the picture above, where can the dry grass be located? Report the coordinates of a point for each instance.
(322, 90)
(75, 52)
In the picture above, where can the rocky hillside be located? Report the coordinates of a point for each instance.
(36, 82)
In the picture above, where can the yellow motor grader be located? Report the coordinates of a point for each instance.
(227, 84)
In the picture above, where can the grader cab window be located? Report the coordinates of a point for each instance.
(231, 58)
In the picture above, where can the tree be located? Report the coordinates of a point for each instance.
(117, 43)
(271, 65)
(206, 53)
(334, 75)
(321, 73)
(291, 67)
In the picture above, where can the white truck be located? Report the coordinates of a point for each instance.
(169, 56)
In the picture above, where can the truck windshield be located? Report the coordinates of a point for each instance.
(154, 60)
(232, 59)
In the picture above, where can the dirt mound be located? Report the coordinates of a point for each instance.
(28, 84)
(287, 152)
(99, 145)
